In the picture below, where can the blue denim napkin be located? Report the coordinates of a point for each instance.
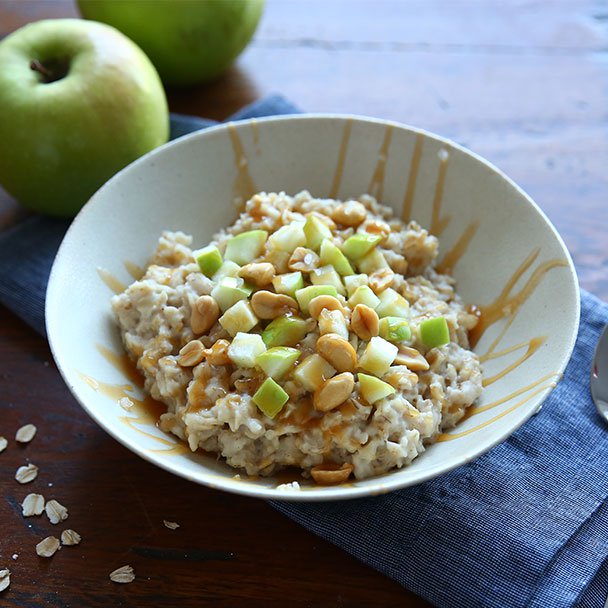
(524, 526)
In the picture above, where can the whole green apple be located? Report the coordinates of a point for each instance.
(78, 102)
(189, 41)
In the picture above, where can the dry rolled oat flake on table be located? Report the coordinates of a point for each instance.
(313, 333)
(26, 433)
(3, 444)
(48, 547)
(172, 525)
(124, 574)
(33, 504)
(70, 538)
(55, 511)
(5, 579)
(26, 473)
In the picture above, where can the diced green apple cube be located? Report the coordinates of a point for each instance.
(284, 331)
(373, 389)
(288, 283)
(313, 372)
(229, 291)
(373, 261)
(327, 275)
(239, 318)
(359, 245)
(288, 238)
(246, 247)
(209, 260)
(364, 295)
(316, 231)
(227, 269)
(354, 281)
(378, 356)
(331, 255)
(277, 361)
(395, 329)
(270, 398)
(434, 332)
(393, 304)
(244, 349)
(305, 295)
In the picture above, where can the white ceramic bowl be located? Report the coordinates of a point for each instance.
(514, 260)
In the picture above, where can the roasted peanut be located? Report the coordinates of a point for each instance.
(303, 259)
(191, 354)
(329, 475)
(380, 280)
(316, 305)
(337, 352)
(351, 213)
(218, 353)
(204, 314)
(269, 305)
(411, 358)
(365, 322)
(377, 227)
(258, 274)
(334, 392)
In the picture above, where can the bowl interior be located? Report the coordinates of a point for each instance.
(504, 253)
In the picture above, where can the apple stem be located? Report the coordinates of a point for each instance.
(38, 67)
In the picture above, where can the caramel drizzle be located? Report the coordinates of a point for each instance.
(376, 184)
(335, 186)
(410, 189)
(452, 436)
(439, 224)
(146, 410)
(506, 304)
(111, 281)
(244, 186)
(478, 409)
(489, 353)
(454, 255)
(256, 135)
(123, 364)
(532, 346)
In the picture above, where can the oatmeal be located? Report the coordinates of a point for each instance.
(313, 333)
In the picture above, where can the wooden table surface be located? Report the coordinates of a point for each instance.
(524, 83)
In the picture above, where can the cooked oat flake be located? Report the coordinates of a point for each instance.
(55, 511)
(124, 574)
(25, 474)
(33, 504)
(26, 433)
(125, 403)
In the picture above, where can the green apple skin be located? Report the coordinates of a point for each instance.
(60, 141)
(189, 41)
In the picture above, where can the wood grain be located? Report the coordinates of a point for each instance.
(523, 83)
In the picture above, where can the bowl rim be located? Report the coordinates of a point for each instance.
(385, 483)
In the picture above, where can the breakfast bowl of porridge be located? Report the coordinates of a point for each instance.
(311, 307)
